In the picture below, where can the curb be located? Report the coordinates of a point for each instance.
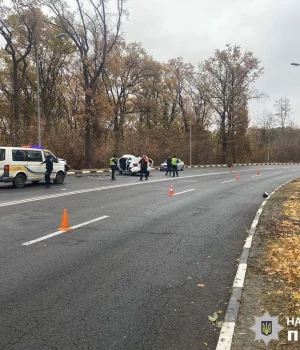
(228, 327)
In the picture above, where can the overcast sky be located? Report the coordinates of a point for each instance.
(193, 29)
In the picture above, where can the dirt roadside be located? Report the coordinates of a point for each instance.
(273, 275)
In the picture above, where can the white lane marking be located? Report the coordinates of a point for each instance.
(33, 199)
(228, 181)
(184, 192)
(256, 175)
(61, 231)
(240, 276)
(227, 330)
(226, 336)
(248, 242)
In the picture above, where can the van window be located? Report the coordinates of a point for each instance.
(34, 156)
(2, 154)
(18, 155)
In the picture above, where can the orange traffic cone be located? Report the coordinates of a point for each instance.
(65, 222)
(231, 169)
(257, 173)
(237, 177)
(171, 192)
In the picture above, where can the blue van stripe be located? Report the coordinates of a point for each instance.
(38, 172)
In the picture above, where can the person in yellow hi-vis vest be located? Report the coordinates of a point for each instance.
(174, 162)
(113, 165)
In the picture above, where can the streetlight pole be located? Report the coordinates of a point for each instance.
(37, 64)
(190, 141)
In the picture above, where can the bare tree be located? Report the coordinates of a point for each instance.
(267, 122)
(283, 111)
(231, 76)
(94, 30)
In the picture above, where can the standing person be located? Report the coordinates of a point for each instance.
(169, 165)
(49, 168)
(174, 162)
(113, 165)
(144, 167)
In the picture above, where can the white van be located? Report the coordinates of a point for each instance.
(19, 164)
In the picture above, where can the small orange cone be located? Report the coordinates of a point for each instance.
(171, 192)
(258, 173)
(231, 169)
(65, 222)
(237, 177)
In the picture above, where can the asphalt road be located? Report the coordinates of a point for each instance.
(144, 276)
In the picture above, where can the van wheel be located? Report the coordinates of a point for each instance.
(120, 172)
(19, 181)
(59, 179)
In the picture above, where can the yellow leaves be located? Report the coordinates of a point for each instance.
(291, 210)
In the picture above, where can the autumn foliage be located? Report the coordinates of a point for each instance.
(101, 95)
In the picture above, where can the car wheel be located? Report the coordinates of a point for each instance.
(120, 172)
(161, 169)
(59, 178)
(19, 181)
(182, 168)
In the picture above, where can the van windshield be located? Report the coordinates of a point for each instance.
(2, 154)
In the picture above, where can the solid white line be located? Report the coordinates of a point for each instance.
(61, 231)
(184, 192)
(227, 181)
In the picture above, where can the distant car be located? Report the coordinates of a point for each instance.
(129, 164)
(180, 165)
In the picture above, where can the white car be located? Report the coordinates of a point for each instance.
(180, 165)
(129, 164)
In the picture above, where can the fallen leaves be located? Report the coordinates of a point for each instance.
(214, 319)
(282, 252)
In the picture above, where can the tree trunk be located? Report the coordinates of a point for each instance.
(16, 105)
(89, 154)
(224, 141)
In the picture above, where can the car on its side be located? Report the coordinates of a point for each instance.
(180, 165)
(129, 164)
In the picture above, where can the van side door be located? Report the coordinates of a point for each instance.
(36, 170)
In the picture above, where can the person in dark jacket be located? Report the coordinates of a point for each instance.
(144, 167)
(49, 168)
(113, 165)
(169, 165)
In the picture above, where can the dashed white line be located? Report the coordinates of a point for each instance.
(33, 199)
(240, 276)
(62, 231)
(228, 181)
(184, 192)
